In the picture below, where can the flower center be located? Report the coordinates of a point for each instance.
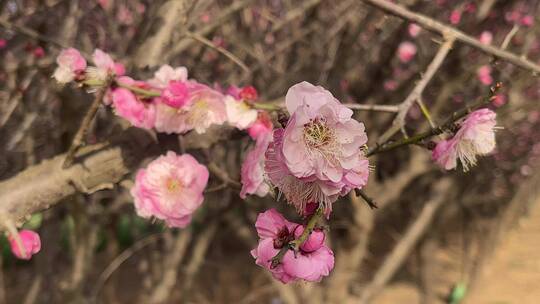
(317, 134)
(173, 185)
(283, 238)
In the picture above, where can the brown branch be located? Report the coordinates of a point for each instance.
(31, 33)
(78, 140)
(100, 166)
(400, 252)
(416, 93)
(444, 30)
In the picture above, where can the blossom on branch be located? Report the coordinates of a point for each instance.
(318, 156)
(275, 232)
(70, 64)
(29, 240)
(252, 171)
(476, 136)
(170, 188)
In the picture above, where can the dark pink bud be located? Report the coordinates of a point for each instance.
(313, 242)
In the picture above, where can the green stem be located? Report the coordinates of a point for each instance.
(139, 91)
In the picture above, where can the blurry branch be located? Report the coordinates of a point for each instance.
(121, 258)
(161, 293)
(295, 13)
(223, 175)
(79, 138)
(171, 15)
(217, 22)
(199, 253)
(446, 30)
(416, 93)
(100, 166)
(403, 248)
(31, 33)
(219, 49)
(447, 125)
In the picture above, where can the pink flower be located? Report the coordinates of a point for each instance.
(475, 137)
(170, 189)
(318, 156)
(455, 17)
(30, 241)
(486, 37)
(70, 64)
(38, 52)
(261, 127)
(129, 107)
(203, 108)
(252, 171)
(275, 232)
(166, 74)
(303, 192)
(249, 93)
(484, 75)
(414, 29)
(176, 94)
(104, 66)
(239, 114)
(499, 100)
(406, 51)
(3, 43)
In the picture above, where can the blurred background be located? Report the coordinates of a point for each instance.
(481, 242)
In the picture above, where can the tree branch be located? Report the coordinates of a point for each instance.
(443, 29)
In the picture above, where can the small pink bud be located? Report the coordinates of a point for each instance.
(527, 21)
(3, 43)
(455, 17)
(406, 51)
(484, 75)
(314, 241)
(38, 52)
(414, 29)
(499, 100)
(486, 37)
(30, 241)
(249, 93)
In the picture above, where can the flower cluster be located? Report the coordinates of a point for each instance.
(476, 136)
(318, 156)
(314, 260)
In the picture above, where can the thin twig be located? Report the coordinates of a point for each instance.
(444, 30)
(78, 140)
(219, 49)
(275, 106)
(440, 129)
(31, 33)
(416, 93)
(370, 201)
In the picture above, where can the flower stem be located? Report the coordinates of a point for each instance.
(295, 244)
(139, 91)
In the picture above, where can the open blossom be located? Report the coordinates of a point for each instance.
(170, 188)
(475, 137)
(203, 108)
(252, 171)
(70, 64)
(128, 106)
(406, 51)
(104, 66)
(29, 240)
(239, 114)
(165, 74)
(275, 232)
(318, 156)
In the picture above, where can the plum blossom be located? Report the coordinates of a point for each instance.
(70, 64)
(455, 17)
(252, 171)
(29, 240)
(170, 188)
(239, 113)
(475, 137)
(176, 94)
(406, 51)
(318, 156)
(275, 232)
(166, 74)
(486, 37)
(128, 106)
(104, 66)
(203, 108)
